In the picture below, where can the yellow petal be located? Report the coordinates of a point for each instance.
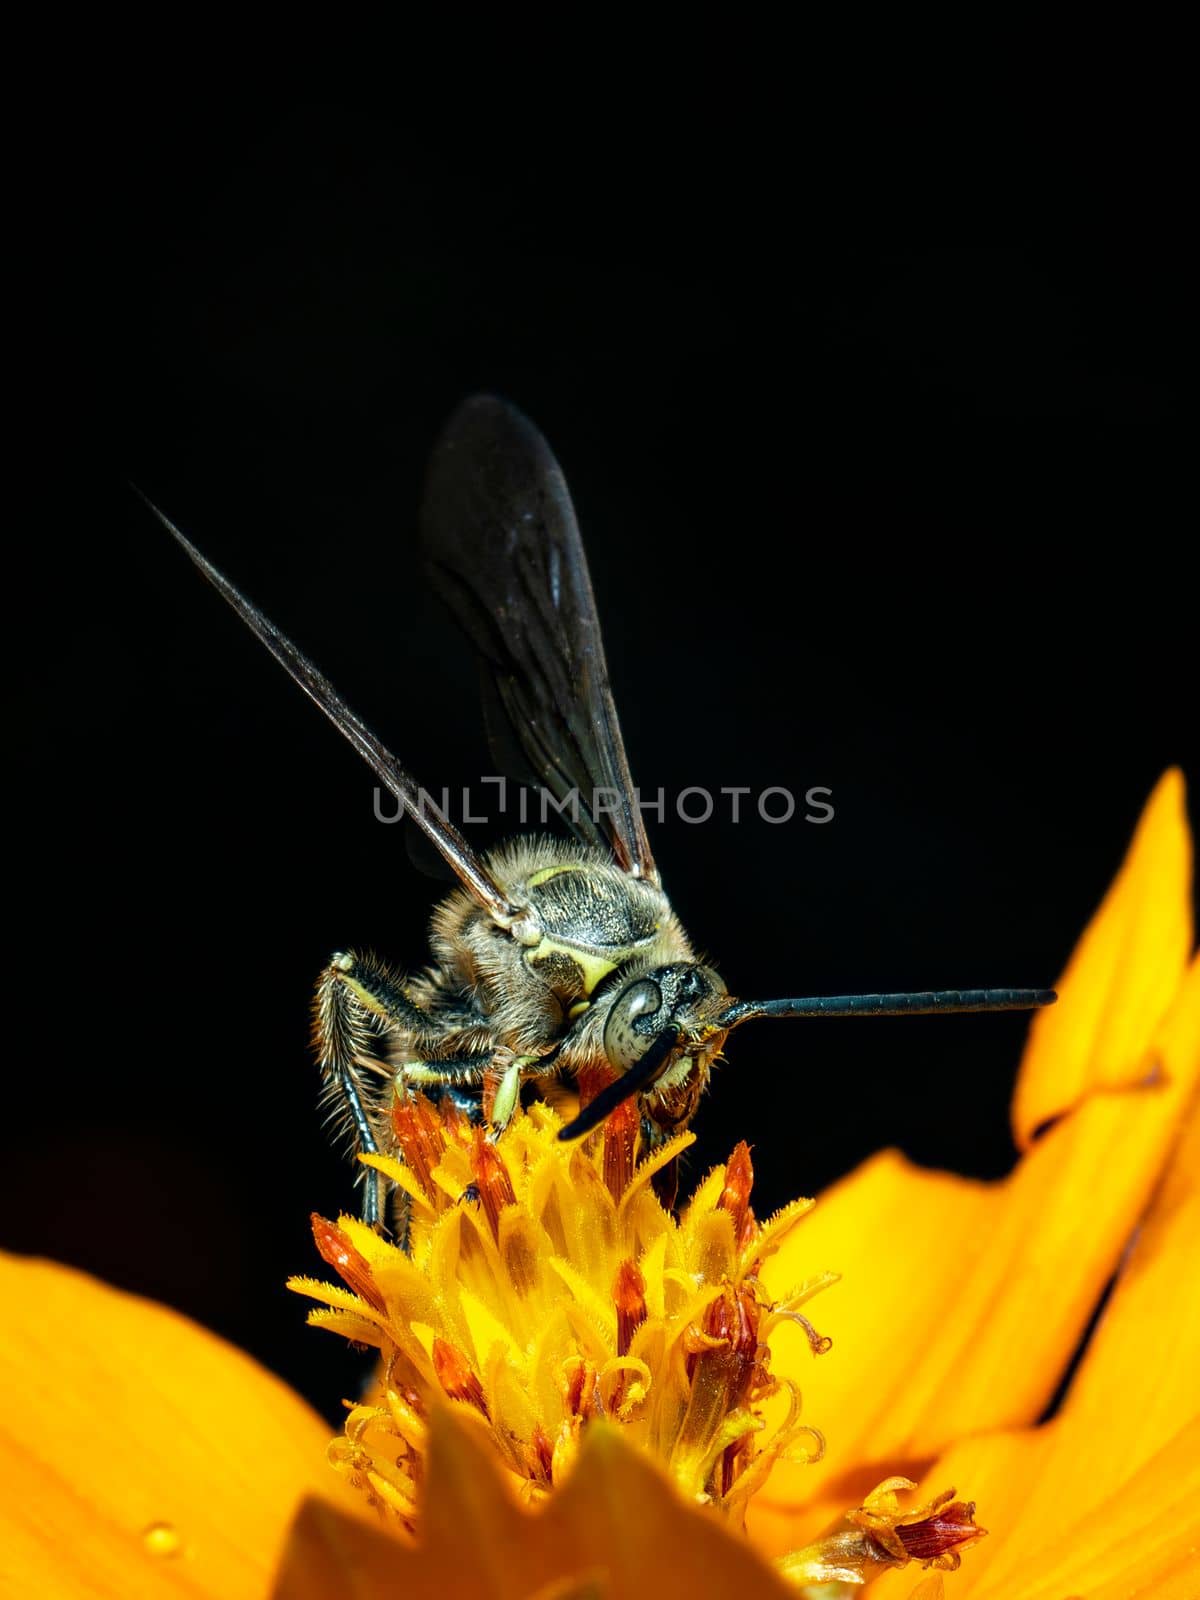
(1171, 1574)
(139, 1455)
(1122, 975)
(332, 1556)
(1128, 1544)
(901, 1238)
(997, 1471)
(961, 1303)
(1135, 1536)
(930, 1588)
(1109, 1492)
(618, 1525)
(1143, 1364)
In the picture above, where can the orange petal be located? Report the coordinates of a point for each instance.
(997, 1471)
(330, 1554)
(140, 1455)
(1109, 1492)
(1143, 1363)
(618, 1525)
(902, 1239)
(633, 1526)
(1143, 1539)
(930, 1588)
(1122, 975)
(961, 1303)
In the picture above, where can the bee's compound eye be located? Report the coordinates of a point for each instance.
(640, 997)
(691, 985)
(624, 1040)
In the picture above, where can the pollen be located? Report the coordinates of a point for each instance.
(545, 1286)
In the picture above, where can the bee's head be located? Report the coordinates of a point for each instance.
(661, 1031)
(684, 997)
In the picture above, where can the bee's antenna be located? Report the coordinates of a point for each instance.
(889, 1005)
(381, 761)
(624, 1088)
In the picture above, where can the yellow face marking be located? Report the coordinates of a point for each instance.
(578, 1009)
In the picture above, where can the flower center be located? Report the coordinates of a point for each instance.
(545, 1286)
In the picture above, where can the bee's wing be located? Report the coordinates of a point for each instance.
(472, 873)
(504, 551)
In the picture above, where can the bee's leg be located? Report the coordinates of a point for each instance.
(451, 1078)
(454, 1078)
(508, 1074)
(380, 992)
(358, 1003)
(508, 1091)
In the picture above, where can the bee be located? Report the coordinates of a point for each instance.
(551, 961)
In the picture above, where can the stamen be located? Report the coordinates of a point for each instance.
(629, 1295)
(491, 1177)
(456, 1377)
(620, 1147)
(881, 1535)
(937, 1538)
(579, 1387)
(540, 1455)
(421, 1134)
(735, 1197)
(733, 1319)
(591, 1078)
(349, 1263)
(579, 1299)
(697, 1343)
(819, 1343)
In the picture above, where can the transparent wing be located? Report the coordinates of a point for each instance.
(504, 551)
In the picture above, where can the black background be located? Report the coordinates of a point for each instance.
(878, 452)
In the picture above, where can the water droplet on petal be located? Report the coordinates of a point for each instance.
(162, 1539)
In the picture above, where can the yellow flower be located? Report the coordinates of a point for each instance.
(142, 1457)
(562, 1292)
